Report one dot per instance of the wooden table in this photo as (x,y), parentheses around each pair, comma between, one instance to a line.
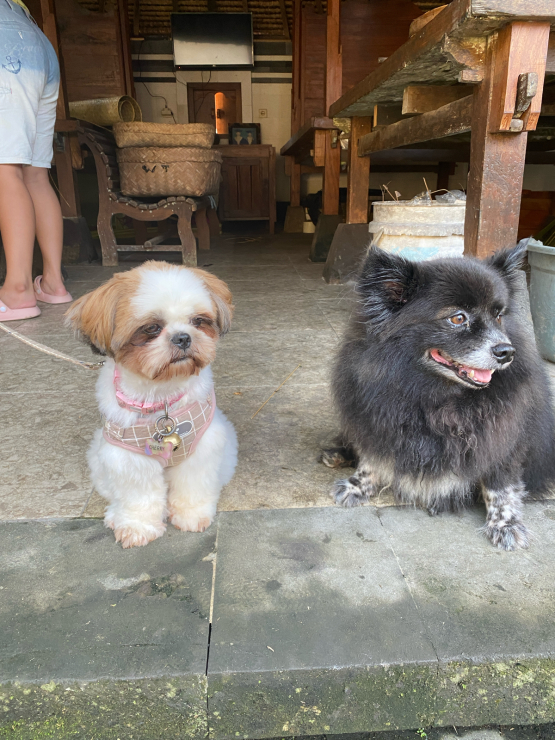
(461,73)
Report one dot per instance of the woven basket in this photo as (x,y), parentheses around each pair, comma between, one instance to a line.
(164,134)
(169,171)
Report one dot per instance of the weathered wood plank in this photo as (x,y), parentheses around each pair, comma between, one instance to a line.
(450,48)
(424,98)
(358,174)
(453,118)
(419,23)
(495,174)
(519,9)
(422,59)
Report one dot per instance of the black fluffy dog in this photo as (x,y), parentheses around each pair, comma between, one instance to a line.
(441,391)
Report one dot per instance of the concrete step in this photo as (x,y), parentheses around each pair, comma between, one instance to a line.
(323,621)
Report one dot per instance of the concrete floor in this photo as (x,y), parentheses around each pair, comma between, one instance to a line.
(287,321)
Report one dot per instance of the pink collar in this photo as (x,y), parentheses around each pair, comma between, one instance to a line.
(142,408)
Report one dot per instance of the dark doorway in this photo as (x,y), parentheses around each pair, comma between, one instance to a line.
(218,103)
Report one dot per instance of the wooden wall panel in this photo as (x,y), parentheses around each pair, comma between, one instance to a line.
(91,49)
(370,30)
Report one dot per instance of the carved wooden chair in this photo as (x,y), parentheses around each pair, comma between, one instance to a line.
(111,201)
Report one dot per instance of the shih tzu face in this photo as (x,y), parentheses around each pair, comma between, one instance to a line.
(159,321)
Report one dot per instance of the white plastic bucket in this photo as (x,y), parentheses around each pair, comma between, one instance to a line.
(419,232)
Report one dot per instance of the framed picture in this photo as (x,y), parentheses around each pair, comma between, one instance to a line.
(244,133)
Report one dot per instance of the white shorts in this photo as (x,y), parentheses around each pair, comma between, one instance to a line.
(29,81)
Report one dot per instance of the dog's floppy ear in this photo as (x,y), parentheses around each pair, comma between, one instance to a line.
(94,314)
(221,296)
(385,284)
(508,261)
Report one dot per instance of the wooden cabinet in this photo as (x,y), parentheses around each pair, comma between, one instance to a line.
(248,190)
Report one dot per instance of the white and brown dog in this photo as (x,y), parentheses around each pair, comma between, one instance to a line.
(165,448)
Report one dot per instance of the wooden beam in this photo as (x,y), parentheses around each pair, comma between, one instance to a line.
(319,151)
(296,101)
(332,168)
(453,118)
(521,49)
(496,171)
(358,174)
(425,98)
(334,66)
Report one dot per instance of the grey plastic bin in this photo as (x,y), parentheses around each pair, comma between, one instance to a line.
(542,297)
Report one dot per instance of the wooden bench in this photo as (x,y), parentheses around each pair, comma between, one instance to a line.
(102,145)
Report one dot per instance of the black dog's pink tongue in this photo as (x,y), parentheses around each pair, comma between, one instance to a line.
(482,376)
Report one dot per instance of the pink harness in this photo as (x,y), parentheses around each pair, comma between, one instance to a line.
(191,423)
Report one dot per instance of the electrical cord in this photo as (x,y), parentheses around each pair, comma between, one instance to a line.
(146,87)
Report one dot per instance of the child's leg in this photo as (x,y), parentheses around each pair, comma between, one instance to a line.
(17,226)
(49,227)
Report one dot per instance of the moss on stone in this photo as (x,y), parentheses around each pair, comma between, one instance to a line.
(105,710)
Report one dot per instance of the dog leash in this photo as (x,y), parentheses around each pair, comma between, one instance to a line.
(50,351)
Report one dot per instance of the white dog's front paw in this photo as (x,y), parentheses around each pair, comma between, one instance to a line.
(191,520)
(136,535)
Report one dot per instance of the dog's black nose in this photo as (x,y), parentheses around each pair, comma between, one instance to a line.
(503,352)
(182,340)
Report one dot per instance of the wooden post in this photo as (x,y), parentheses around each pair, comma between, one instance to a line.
(358,173)
(334,71)
(496,159)
(295,192)
(67,183)
(443,172)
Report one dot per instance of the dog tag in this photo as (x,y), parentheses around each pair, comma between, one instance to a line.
(159,449)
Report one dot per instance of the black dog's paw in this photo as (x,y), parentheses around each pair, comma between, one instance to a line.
(337,457)
(510,537)
(349,492)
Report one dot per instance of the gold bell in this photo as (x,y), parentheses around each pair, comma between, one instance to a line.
(175,439)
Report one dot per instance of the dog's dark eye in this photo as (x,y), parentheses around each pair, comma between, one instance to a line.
(499,317)
(458,319)
(152,329)
(199,320)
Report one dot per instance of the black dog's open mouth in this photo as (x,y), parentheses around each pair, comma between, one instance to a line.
(472,375)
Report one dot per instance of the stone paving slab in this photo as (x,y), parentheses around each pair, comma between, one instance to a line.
(332,621)
(100,642)
(324,621)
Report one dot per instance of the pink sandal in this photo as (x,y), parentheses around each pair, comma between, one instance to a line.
(45,297)
(16,314)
